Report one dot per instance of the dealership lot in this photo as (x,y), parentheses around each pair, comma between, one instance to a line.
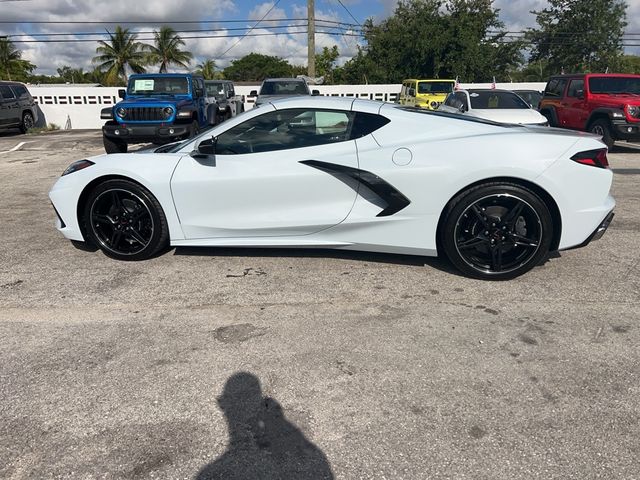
(384,366)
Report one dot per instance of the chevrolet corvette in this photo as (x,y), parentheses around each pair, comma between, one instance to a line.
(344,173)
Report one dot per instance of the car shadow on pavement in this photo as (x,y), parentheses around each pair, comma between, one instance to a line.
(263,444)
(358,256)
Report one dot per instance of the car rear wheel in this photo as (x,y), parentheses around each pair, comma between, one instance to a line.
(496,231)
(125,220)
(601,127)
(27,122)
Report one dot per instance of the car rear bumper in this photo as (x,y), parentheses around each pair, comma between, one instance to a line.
(144,133)
(598,232)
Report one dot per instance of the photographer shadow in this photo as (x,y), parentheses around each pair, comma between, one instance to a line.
(263,444)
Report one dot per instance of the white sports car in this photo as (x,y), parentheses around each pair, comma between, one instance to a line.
(350,174)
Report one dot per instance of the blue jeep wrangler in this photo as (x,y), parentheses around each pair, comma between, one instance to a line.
(157,108)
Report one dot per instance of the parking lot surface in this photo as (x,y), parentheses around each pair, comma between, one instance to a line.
(305,364)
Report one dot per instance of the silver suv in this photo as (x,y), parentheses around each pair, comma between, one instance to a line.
(17,107)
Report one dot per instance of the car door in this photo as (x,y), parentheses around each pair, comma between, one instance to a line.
(9,108)
(573,105)
(257,186)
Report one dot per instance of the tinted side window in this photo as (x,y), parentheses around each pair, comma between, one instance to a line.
(555,88)
(20,91)
(286,129)
(574,87)
(6,92)
(365,123)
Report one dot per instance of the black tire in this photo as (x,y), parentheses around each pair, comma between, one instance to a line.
(27,122)
(496,231)
(125,221)
(194,129)
(602,127)
(550,116)
(114,146)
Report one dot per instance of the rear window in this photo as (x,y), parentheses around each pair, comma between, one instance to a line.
(496,100)
(284,88)
(435,87)
(20,91)
(366,123)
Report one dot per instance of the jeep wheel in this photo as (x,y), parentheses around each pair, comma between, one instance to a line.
(601,127)
(114,146)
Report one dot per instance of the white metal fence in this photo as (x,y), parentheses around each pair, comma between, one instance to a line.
(78,107)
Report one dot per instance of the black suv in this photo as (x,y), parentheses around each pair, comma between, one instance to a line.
(17,107)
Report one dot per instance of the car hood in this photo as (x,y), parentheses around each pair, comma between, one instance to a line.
(522,116)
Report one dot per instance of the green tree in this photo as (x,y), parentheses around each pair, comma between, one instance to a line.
(122,52)
(579,35)
(73,75)
(167,51)
(326,63)
(631,64)
(257,67)
(208,70)
(436,39)
(12,66)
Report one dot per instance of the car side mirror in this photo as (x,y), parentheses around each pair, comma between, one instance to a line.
(580,94)
(199,92)
(122,93)
(253,93)
(206,151)
(315,93)
(462,108)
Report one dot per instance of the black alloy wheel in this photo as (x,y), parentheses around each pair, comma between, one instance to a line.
(27,122)
(497,231)
(125,221)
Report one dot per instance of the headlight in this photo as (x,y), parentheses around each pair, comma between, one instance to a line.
(184,114)
(167,112)
(75,166)
(121,112)
(434,105)
(633,111)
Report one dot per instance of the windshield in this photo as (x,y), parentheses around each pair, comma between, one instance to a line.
(435,87)
(283,87)
(158,86)
(614,85)
(215,89)
(492,99)
(530,96)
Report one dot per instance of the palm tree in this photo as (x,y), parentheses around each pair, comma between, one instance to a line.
(120,53)
(166,50)
(11,61)
(207,69)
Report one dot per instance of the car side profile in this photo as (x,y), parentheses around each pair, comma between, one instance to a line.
(350,174)
(493,104)
(17,107)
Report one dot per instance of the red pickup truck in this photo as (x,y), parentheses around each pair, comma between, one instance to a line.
(607,104)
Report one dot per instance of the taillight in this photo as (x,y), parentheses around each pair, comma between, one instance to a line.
(593,158)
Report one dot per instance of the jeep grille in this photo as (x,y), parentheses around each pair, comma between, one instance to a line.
(144,114)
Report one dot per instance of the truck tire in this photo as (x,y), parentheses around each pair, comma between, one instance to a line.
(114,146)
(194,129)
(551,117)
(603,128)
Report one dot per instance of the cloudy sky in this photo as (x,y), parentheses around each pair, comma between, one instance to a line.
(226,20)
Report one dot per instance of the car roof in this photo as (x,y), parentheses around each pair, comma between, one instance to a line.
(284,79)
(330,103)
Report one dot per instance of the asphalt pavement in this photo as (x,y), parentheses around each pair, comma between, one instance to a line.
(308,364)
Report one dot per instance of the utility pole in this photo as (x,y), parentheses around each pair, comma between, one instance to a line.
(311,39)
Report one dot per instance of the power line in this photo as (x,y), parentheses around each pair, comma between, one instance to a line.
(152,22)
(349,12)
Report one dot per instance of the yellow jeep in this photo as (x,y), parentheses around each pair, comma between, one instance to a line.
(427,94)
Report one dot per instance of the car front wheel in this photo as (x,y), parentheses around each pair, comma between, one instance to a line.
(125,220)
(602,128)
(496,231)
